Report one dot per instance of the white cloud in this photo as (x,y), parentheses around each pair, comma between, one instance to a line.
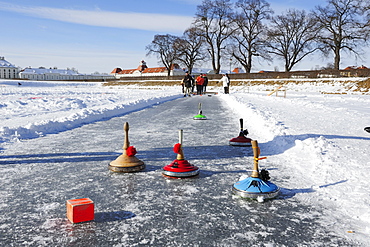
(130,20)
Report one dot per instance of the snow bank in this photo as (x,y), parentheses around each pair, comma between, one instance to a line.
(34,109)
(325,86)
(318,144)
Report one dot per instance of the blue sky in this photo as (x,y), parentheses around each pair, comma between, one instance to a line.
(92,35)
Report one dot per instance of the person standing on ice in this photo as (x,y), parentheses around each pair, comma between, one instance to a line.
(187,83)
(225,83)
(200,81)
(205,83)
(192,84)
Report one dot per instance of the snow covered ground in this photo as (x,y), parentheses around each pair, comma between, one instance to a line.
(320,139)
(35,109)
(317,137)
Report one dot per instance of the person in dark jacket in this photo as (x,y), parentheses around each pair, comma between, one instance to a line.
(187,82)
(205,83)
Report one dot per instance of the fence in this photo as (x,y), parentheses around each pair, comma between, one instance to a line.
(267,75)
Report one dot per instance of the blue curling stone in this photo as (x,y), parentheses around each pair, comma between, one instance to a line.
(255,188)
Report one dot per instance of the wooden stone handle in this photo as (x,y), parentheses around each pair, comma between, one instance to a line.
(126,143)
(256,153)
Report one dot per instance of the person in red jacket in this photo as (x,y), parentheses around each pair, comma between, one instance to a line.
(200,81)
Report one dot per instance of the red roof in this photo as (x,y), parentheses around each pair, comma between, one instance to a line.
(237,70)
(355,67)
(155,70)
(146,70)
(116,70)
(127,71)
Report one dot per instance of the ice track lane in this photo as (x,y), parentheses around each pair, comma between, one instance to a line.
(145,208)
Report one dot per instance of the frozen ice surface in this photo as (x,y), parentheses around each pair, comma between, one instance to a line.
(309,142)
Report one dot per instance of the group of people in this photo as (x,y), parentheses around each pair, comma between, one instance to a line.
(189,83)
(201,82)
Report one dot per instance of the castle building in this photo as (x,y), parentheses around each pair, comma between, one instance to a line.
(8,70)
(55,74)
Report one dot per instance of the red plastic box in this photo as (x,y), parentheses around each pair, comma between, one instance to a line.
(80,210)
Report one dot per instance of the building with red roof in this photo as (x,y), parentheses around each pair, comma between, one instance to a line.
(144,70)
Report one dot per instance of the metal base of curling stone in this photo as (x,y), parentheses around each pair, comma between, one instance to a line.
(180,169)
(180,174)
(252,195)
(125,163)
(127,169)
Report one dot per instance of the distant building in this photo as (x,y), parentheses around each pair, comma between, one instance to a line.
(7,70)
(237,71)
(353,71)
(355,67)
(55,74)
(144,70)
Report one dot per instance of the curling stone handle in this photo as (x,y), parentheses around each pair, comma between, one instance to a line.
(256,153)
(180,136)
(126,143)
(256,149)
(200,108)
(180,155)
(241,124)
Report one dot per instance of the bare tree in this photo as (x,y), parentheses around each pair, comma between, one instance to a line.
(366,13)
(190,48)
(214,19)
(291,36)
(342,27)
(163,47)
(247,41)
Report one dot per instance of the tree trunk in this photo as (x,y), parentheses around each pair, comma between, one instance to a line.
(336,58)
(248,67)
